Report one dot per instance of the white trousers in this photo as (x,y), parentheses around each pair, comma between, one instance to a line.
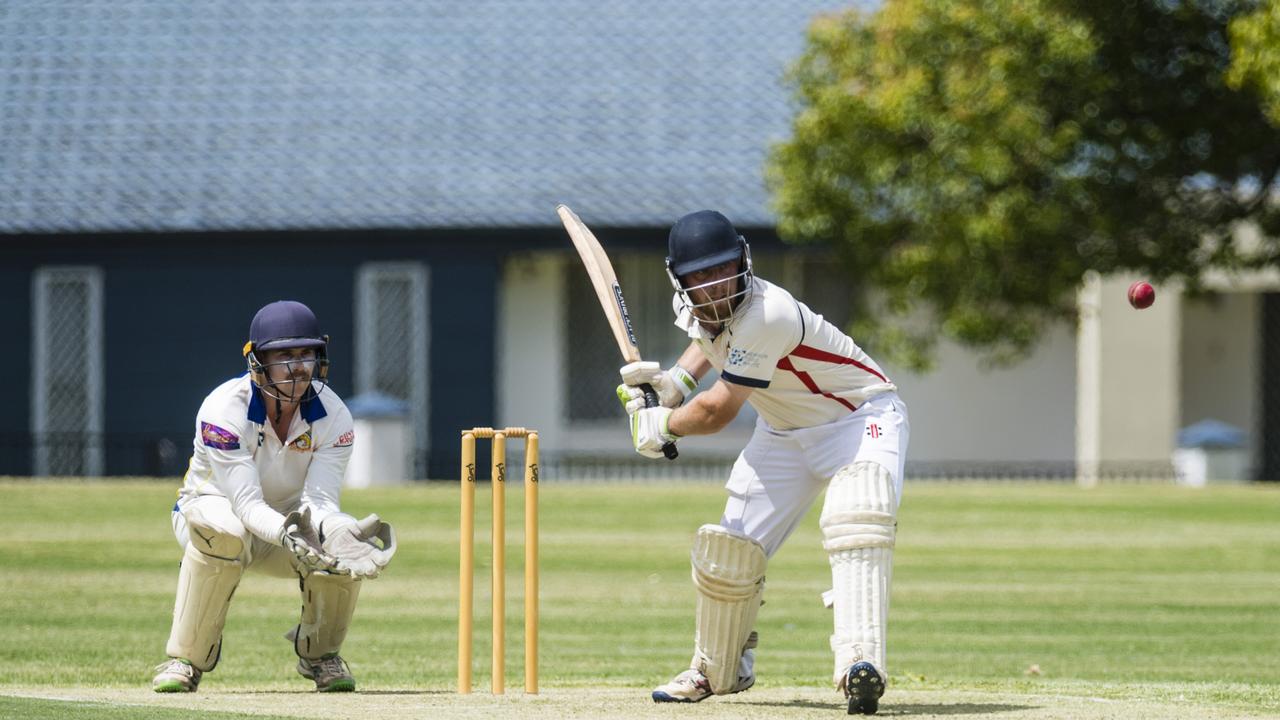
(781,472)
(215,510)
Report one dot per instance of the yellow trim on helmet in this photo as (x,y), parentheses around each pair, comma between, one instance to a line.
(248,348)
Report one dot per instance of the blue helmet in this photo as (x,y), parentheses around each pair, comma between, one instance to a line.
(702,240)
(283,325)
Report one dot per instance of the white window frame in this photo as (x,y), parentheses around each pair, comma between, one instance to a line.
(419,366)
(41,350)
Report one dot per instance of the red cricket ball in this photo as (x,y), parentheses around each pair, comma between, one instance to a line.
(1141,294)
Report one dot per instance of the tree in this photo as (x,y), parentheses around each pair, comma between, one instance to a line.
(970,160)
(1255,63)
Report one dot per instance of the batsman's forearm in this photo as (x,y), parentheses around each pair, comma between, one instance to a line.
(694,361)
(700,417)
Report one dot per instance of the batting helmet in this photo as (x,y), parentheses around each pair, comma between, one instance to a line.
(702,240)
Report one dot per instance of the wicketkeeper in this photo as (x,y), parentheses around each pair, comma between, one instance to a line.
(829,420)
(261,492)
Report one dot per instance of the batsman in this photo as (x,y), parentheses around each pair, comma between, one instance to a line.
(261,493)
(829,421)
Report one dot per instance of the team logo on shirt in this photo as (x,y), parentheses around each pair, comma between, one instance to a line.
(215,437)
(873,430)
(346,439)
(303,443)
(743,358)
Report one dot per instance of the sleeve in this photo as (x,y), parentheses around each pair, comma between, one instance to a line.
(227,445)
(323,486)
(761,340)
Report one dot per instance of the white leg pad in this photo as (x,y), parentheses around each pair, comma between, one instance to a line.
(328,602)
(858,526)
(728,572)
(205,586)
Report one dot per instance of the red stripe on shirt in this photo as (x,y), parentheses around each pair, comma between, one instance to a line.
(812,353)
(785,364)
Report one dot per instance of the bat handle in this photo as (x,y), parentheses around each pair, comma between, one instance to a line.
(651,400)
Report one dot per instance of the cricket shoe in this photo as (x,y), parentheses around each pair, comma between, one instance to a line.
(691,686)
(863,685)
(176,675)
(330,673)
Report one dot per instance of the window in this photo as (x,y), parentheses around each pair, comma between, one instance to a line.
(66,371)
(391,337)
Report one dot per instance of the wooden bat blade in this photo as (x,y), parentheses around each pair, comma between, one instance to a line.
(609,293)
(604,281)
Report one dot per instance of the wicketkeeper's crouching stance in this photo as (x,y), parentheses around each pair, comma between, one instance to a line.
(828,419)
(271,448)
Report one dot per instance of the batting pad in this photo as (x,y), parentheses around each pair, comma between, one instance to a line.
(328,602)
(728,572)
(858,527)
(205,587)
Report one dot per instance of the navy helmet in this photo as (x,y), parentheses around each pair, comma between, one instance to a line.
(702,240)
(283,325)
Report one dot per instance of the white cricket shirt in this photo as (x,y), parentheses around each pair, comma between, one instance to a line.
(238,456)
(805,371)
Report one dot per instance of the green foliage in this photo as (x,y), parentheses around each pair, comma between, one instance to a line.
(1255,62)
(971,159)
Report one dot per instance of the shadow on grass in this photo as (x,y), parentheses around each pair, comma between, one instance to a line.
(906,709)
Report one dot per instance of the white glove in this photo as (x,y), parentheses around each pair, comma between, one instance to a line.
(299,537)
(649,431)
(362,549)
(673,386)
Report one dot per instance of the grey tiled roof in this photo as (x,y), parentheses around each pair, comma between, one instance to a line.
(222,114)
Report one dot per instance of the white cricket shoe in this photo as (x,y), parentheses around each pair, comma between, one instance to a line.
(330,673)
(692,686)
(176,675)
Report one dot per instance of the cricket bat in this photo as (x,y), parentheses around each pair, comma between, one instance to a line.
(609,293)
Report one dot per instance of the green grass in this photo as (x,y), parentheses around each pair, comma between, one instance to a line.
(1125,592)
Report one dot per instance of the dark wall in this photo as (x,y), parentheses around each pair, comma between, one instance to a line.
(177,311)
(1270,431)
(15,368)
(173,330)
(463,338)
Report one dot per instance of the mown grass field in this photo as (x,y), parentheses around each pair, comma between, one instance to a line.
(1009,600)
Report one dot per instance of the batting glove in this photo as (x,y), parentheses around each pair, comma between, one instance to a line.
(673,386)
(649,431)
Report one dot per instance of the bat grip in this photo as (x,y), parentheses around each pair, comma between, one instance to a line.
(651,400)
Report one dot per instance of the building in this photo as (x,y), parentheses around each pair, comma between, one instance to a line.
(167,169)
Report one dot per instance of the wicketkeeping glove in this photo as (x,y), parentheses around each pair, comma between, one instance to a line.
(299,537)
(362,549)
(672,386)
(649,431)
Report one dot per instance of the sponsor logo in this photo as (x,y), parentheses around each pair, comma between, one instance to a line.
(743,358)
(873,430)
(215,437)
(626,316)
(346,439)
(302,443)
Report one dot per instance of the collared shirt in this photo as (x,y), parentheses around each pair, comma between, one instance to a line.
(237,455)
(804,370)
